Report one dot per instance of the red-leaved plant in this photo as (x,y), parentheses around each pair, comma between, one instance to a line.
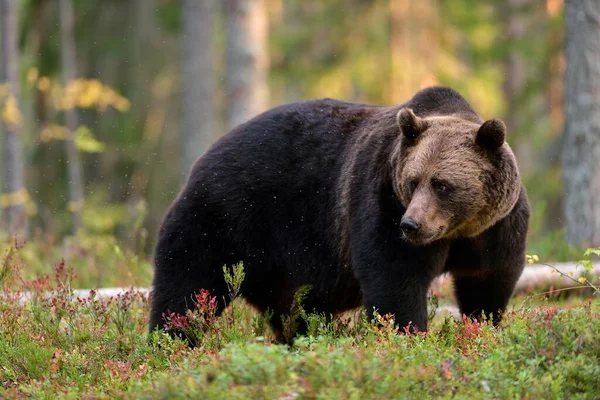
(196,323)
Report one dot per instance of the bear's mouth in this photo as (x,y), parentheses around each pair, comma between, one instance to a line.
(422,238)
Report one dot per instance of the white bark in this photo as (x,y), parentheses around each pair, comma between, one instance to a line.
(247,92)
(515,23)
(198,84)
(535,279)
(14,216)
(69,70)
(581,147)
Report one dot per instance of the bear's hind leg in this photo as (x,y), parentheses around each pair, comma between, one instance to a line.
(178,296)
(189,256)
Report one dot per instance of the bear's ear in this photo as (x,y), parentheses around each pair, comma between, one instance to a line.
(491,134)
(410,125)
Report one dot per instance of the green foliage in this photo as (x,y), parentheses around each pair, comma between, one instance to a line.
(55,345)
(168,13)
(553,244)
(96,261)
(261,321)
(290,322)
(315,50)
(234,279)
(86,142)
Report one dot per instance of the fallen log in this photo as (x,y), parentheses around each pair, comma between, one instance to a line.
(539,277)
(535,277)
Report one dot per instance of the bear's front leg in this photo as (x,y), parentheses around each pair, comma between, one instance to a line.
(403,297)
(395,276)
(486,268)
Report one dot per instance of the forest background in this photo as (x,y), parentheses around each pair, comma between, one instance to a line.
(109,102)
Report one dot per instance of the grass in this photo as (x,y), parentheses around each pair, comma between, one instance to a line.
(57,346)
(97,259)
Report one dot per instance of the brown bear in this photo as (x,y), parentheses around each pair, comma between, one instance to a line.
(366,204)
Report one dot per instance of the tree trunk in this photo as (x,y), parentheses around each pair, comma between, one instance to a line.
(247,92)
(581,149)
(14,194)
(198,85)
(556,68)
(69,69)
(514,77)
(514,29)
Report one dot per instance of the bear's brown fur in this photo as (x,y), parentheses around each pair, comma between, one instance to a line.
(365,204)
(456,177)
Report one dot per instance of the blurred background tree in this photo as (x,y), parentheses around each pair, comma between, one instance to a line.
(160,80)
(198,93)
(69,74)
(14,194)
(581,166)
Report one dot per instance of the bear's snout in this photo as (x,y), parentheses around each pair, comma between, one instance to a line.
(422,223)
(409,226)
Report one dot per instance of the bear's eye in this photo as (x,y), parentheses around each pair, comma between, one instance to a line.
(442,188)
(412,185)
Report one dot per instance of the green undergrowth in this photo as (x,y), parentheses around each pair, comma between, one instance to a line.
(97,260)
(57,346)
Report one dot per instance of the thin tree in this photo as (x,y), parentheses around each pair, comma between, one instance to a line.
(514,30)
(555,67)
(581,149)
(69,72)
(247,91)
(514,24)
(198,84)
(14,194)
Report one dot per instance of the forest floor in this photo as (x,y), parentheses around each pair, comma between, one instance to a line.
(55,345)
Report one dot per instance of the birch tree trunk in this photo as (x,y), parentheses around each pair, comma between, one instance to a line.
(13,192)
(581,148)
(198,84)
(556,68)
(247,92)
(514,29)
(69,70)
(514,22)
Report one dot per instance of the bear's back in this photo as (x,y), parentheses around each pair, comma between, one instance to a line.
(441,101)
(278,170)
(289,143)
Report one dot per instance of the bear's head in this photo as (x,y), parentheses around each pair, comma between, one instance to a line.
(456,177)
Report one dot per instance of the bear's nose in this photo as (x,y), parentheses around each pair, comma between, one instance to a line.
(408,225)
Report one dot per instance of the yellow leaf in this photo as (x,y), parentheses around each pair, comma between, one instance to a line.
(32,75)
(86,142)
(88,93)
(122,104)
(91,92)
(54,132)
(11,114)
(582,280)
(14,199)
(43,84)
